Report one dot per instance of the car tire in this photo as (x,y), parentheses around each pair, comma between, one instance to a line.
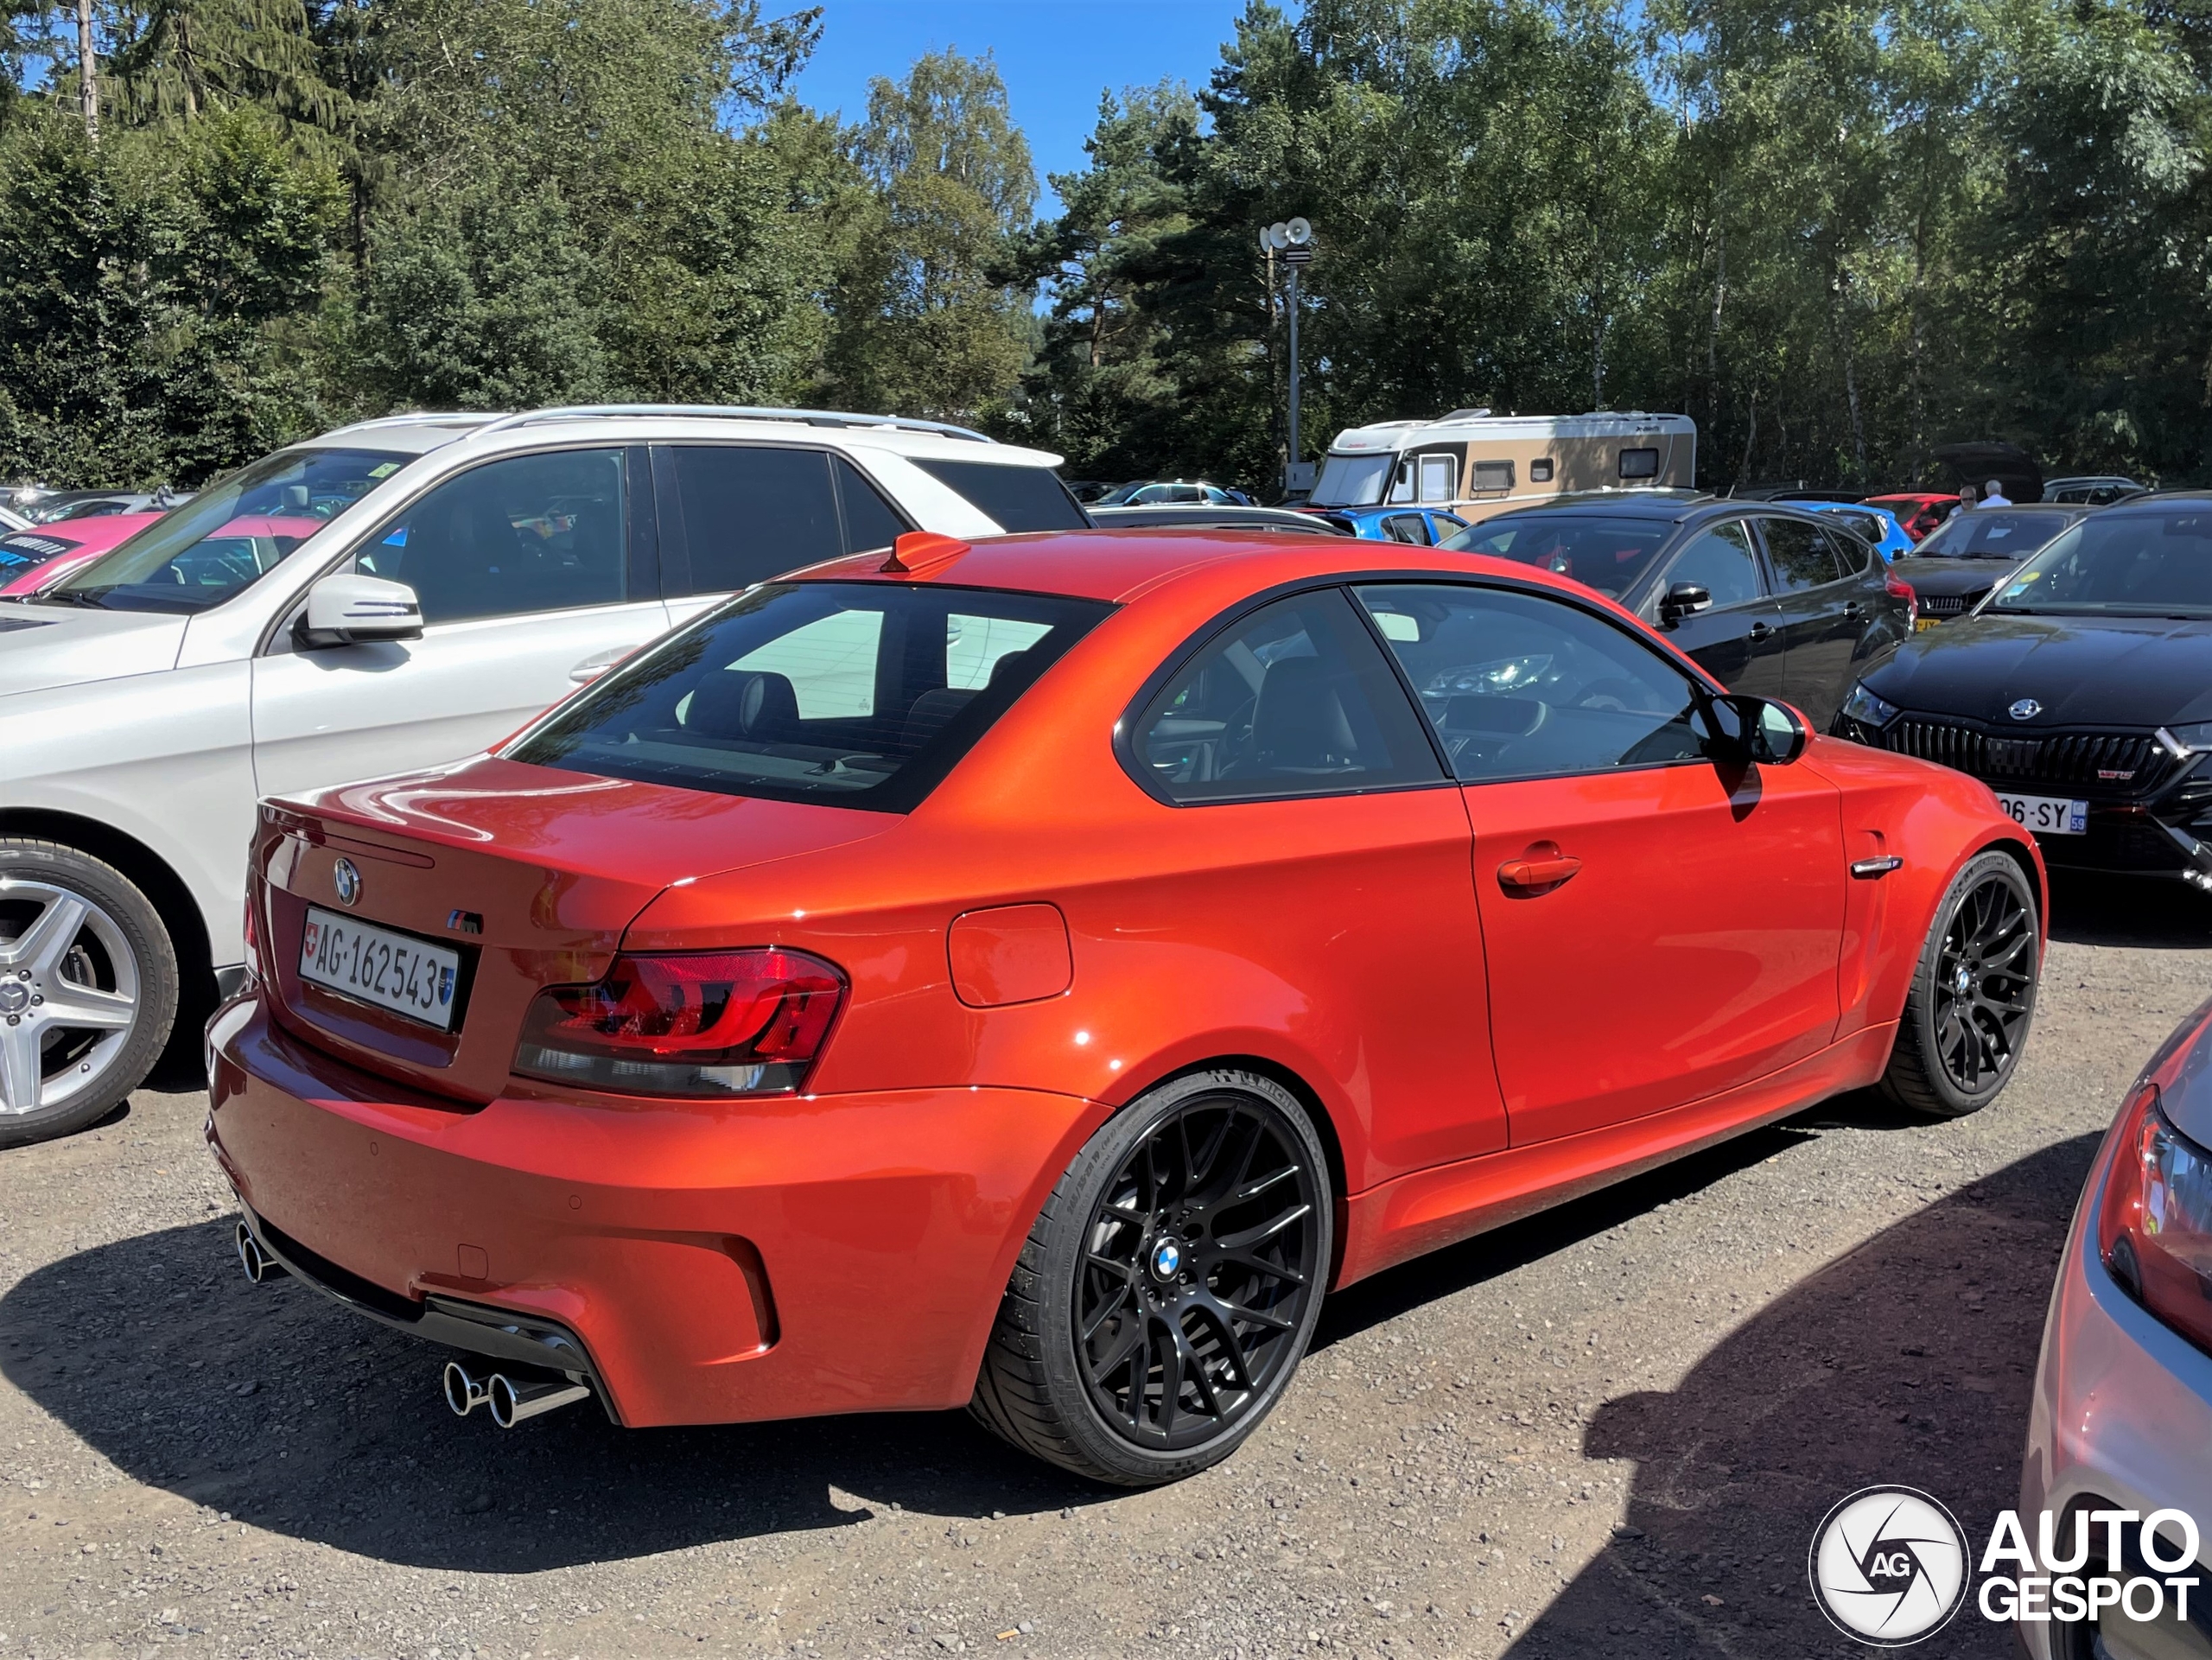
(1151,1266)
(76,937)
(1973,999)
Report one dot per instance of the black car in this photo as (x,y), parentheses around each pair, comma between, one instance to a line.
(2081,691)
(1973,551)
(1768,598)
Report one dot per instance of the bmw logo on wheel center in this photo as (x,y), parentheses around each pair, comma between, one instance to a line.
(1889,1566)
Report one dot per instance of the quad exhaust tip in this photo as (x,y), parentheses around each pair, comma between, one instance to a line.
(259,1264)
(512,1400)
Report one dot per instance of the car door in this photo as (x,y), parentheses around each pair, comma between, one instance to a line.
(1824,611)
(1658,928)
(534,573)
(1739,640)
(732,515)
(1316,861)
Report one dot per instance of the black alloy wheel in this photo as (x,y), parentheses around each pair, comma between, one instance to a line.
(1973,999)
(1170,1285)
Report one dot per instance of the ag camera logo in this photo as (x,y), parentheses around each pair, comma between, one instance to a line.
(1889,1566)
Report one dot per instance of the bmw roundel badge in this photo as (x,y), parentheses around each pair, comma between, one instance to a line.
(2026,710)
(346,880)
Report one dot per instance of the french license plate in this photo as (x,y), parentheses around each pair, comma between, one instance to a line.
(410,977)
(2047,815)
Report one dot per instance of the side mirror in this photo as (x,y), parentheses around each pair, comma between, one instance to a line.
(1685,599)
(1747,730)
(345,610)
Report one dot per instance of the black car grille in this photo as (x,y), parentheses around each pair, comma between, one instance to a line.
(2093,763)
(1947,605)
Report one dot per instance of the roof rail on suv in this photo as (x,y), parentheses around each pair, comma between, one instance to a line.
(419,418)
(737,412)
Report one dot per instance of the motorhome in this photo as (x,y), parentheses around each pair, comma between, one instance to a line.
(1476,463)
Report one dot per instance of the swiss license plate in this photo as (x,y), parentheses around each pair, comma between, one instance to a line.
(410,977)
(2047,815)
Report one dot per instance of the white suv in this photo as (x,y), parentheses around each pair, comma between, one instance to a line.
(391,595)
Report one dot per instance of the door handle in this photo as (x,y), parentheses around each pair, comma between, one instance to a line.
(1760,631)
(1855,610)
(597,664)
(1546,870)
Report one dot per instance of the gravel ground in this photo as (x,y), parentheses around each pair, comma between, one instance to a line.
(1607,1431)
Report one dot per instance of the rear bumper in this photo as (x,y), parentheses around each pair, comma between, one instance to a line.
(717,1262)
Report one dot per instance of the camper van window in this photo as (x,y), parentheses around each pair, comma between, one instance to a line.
(1440,477)
(1498,475)
(1352,480)
(1540,471)
(1639,464)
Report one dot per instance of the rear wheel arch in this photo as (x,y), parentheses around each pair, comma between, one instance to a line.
(152,874)
(1317,1111)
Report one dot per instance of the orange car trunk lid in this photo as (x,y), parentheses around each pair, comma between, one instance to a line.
(525,875)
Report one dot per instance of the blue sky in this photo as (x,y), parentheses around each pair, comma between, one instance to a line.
(1056,55)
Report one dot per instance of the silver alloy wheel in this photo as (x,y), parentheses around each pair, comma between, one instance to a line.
(69,997)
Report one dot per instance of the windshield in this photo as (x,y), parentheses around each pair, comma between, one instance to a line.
(1599,551)
(230,535)
(2141,564)
(1353,481)
(1984,533)
(855,694)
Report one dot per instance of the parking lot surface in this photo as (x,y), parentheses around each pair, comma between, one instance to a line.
(1610,1430)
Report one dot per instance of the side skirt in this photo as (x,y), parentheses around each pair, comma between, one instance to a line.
(1412,1215)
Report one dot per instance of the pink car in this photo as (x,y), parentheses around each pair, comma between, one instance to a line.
(34,560)
(31,558)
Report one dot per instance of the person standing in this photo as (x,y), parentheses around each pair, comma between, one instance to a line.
(1995,495)
(1966,501)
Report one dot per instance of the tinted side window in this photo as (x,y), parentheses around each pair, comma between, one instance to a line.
(530,533)
(1639,464)
(1406,527)
(1019,498)
(747,513)
(1853,553)
(1294,700)
(1720,561)
(870,521)
(1798,552)
(1520,686)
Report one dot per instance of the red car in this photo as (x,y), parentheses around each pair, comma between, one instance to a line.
(1028,975)
(1919,512)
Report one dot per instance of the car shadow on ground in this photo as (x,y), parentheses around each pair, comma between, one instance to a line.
(2088,909)
(1909,1360)
(277,1406)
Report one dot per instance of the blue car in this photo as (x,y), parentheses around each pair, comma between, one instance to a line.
(1878,524)
(1419,527)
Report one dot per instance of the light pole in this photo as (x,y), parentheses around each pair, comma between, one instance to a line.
(1294,240)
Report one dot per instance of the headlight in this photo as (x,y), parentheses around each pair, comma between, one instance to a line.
(1864,707)
(2154,1225)
(2195,738)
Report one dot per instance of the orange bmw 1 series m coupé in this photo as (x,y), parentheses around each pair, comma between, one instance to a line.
(1029,975)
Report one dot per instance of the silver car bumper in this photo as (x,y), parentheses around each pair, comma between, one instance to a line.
(2121,1418)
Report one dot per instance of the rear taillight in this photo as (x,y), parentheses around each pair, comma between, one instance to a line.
(700,1023)
(2154,1225)
(1901,589)
(252,934)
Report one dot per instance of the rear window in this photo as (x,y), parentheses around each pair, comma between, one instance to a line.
(1609,554)
(20,552)
(856,694)
(1019,498)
